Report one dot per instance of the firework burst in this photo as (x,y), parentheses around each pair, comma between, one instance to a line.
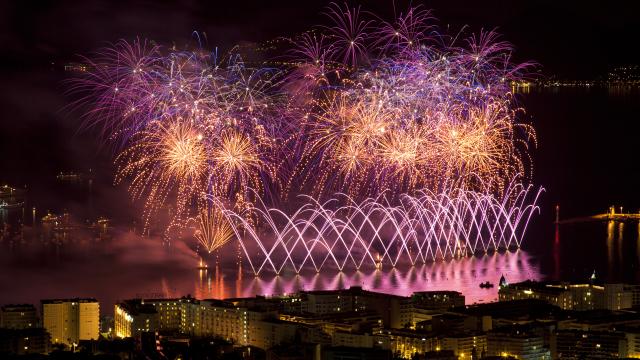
(213,229)
(364,107)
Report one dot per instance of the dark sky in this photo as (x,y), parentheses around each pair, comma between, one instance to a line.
(38,136)
(570,38)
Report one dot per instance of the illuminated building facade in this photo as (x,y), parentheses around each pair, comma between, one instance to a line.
(437,299)
(268,333)
(407,343)
(518,342)
(216,318)
(71,320)
(421,306)
(202,318)
(465,345)
(330,324)
(635,294)
(577,344)
(571,296)
(18,317)
(633,342)
(133,317)
(618,297)
(170,312)
(344,338)
(389,307)
(411,315)
(325,302)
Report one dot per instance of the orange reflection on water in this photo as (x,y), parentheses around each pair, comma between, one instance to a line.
(610,236)
(463,274)
(556,254)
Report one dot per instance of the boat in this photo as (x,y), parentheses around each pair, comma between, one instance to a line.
(486,285)
(202,265)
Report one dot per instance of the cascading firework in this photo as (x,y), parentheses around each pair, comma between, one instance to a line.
(404,141)
(342,233)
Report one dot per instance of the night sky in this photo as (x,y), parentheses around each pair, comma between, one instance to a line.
(570,39)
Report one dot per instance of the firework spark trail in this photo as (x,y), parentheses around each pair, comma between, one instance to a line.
(184,125)
(213,230)
(421,228)
(451,104)
(168,158)
(418,130)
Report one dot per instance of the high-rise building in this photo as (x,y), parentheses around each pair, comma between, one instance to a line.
(71,320)
(18,317)
(133,317)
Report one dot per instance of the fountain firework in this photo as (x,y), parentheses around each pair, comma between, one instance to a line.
(341,232)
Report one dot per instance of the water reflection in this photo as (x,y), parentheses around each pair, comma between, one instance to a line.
(638,248)
(610,234)
(615,238)
(610,248)
(129,266)
(556,253)
(464,274)
(620,240)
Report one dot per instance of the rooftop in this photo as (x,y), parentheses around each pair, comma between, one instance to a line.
(526,308)
(60,301)
(137,306)
(352,291)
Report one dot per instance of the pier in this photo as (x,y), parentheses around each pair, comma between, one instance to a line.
(611,215)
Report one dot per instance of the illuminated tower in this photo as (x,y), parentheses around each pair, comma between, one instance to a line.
(557,214)
(503,281)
